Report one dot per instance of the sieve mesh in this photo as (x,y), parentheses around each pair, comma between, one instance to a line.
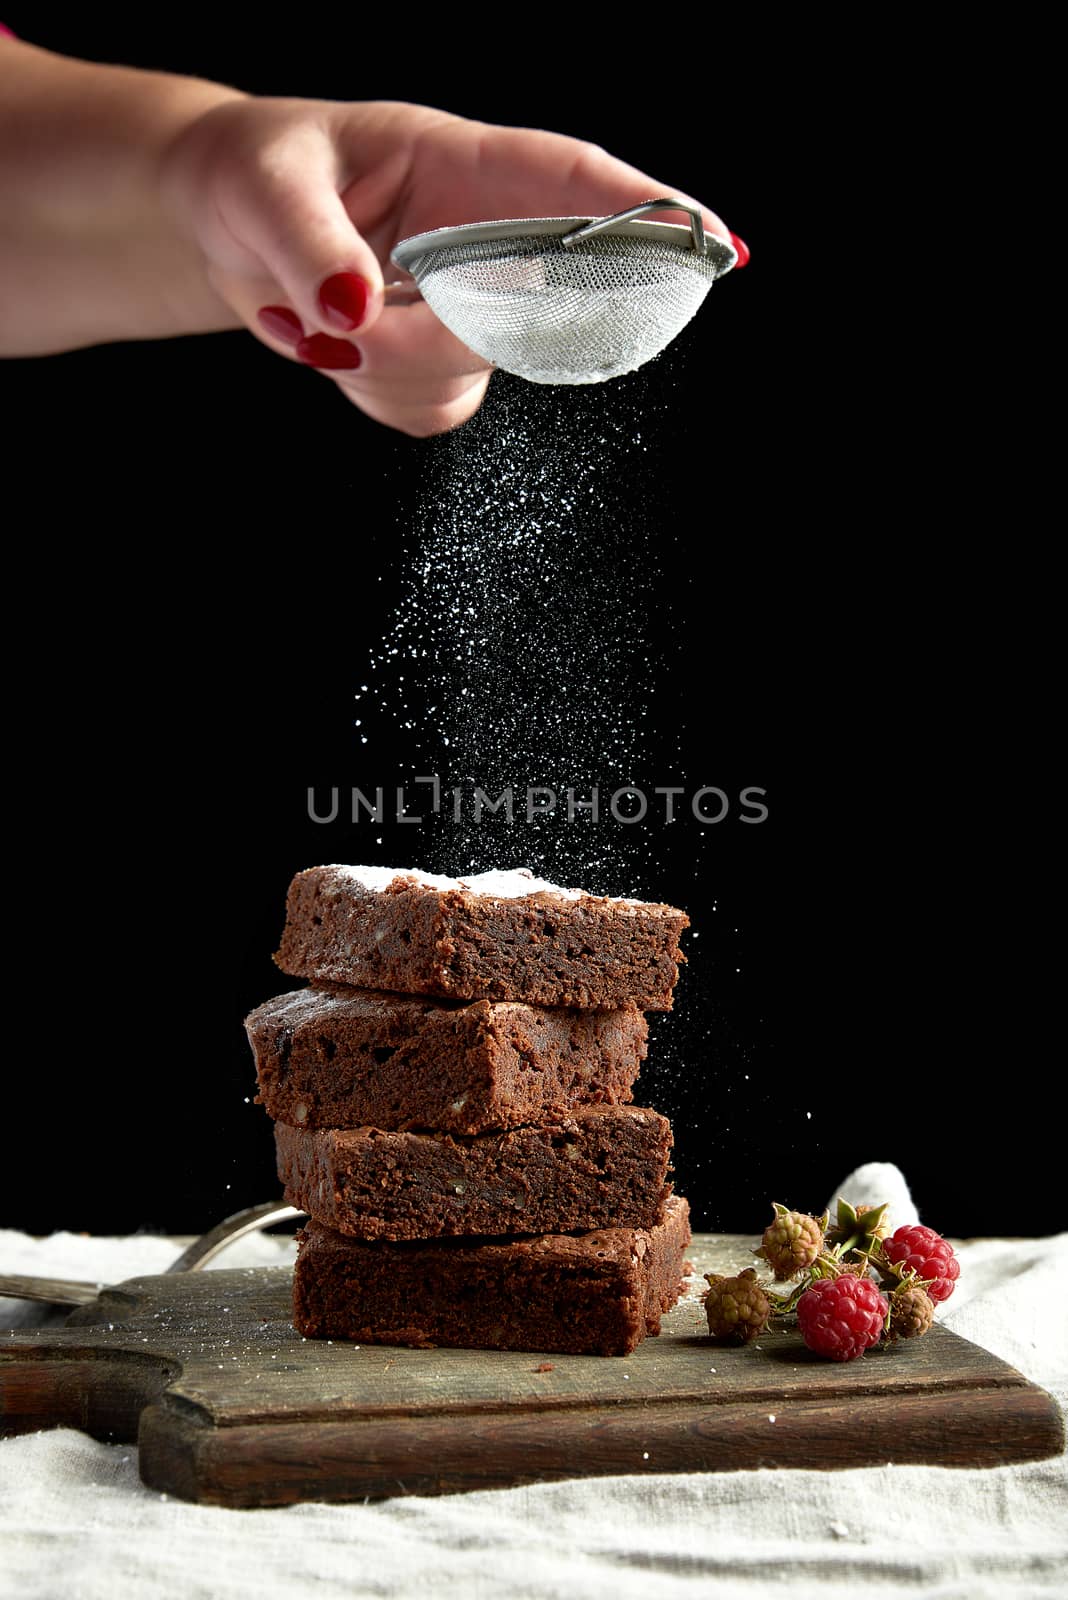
(553,313)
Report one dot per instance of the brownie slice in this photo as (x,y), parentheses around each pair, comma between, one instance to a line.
(594,1293)
(333,1057)
(495,936)
(599,1168)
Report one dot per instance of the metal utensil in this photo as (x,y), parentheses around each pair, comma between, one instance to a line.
(568,299)
(69,1292)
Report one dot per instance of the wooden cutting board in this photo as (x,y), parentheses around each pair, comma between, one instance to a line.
(230,1406)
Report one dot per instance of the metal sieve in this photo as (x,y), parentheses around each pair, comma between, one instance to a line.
(568,299)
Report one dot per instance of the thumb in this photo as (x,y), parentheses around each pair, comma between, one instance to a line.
(287,210)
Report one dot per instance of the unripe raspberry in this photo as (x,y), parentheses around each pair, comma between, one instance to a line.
(911,1312)
(876,1224)
(791,1242)
(737,1308)
(856,1230)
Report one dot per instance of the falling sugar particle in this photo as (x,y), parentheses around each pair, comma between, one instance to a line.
(524,606)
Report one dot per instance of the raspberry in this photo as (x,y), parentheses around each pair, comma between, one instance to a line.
(737,1308)
(911,1312)
(871,1217)
(928,1254)
(842,1317)
(856,1230)
(791,1242)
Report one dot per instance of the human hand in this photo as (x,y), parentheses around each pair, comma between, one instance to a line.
(296,205)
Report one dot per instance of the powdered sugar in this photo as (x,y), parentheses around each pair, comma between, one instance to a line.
(380,878)
(498,885)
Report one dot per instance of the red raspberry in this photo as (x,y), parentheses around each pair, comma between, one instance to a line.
(928,1254)
(841,1317)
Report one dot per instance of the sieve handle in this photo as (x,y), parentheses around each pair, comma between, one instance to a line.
(665,203)
(400,293)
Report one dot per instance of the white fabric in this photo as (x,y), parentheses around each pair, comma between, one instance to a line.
(76,1522)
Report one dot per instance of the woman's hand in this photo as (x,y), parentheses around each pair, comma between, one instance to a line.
(142,205)
(297,204)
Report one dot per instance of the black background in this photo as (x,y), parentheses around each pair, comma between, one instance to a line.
(197,533)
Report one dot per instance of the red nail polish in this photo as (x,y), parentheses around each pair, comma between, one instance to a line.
(281,323)
(343,300)
(742,249)
(319,350)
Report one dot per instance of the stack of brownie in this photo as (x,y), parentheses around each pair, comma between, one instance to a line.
(451,1106)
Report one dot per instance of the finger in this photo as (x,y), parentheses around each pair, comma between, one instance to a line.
(408,372)
(474,172)
(611,182)
(419,408)
(286,209)
(414,374)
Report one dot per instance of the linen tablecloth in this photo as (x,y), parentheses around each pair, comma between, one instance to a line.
(76,1522)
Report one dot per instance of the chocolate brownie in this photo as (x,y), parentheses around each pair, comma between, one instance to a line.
(332,1057)
(602,1167)
(594,1293)
(495,936)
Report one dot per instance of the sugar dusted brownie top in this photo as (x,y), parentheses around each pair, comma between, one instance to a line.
(490,936)
(507,885)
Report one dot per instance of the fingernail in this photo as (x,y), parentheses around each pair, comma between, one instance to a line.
(281,323)
(319,350)
(343,300)
(742,249)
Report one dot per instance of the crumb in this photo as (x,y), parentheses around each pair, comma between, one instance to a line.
(546,1366)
